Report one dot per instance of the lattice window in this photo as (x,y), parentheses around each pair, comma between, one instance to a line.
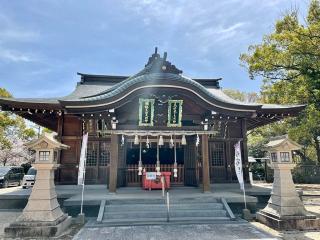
(274,157)
(92,153)
(90,126)
(44,155)
(104,158)
(217,154)
(284,156)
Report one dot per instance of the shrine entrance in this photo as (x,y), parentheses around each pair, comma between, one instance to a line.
(148,152)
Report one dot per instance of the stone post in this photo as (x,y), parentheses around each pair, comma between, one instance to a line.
(284,200)
(42,216)
(285,210)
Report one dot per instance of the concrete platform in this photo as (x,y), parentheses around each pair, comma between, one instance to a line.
(70,195)
(94,196)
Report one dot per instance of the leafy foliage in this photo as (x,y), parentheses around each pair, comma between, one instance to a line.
(13,134)
(248,97)
(288,60)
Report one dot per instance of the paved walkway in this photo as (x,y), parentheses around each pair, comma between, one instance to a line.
(174,232)
(6,217)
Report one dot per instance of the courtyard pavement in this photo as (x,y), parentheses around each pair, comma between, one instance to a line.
(174,232)
(242,230)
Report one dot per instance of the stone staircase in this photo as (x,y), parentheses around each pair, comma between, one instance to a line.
(154,211)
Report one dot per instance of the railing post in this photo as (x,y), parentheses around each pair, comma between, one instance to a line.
(168,207)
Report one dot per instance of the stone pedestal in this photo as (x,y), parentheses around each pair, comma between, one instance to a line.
(285,210)
(42,216)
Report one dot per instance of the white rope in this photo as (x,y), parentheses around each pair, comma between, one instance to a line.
(156,133)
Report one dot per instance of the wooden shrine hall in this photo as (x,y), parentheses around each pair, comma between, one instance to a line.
(156,120)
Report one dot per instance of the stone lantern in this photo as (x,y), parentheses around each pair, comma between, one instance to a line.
(285,209)
(42,215)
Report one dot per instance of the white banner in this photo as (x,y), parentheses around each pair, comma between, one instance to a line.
(238,164)
(82,162)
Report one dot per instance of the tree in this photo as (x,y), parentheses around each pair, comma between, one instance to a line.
(258,138)
(248,97)
(13,135)
(288,60)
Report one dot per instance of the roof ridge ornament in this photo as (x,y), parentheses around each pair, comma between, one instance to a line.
(157,64)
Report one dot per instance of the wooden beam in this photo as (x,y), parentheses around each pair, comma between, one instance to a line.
(205,164)
(113,163)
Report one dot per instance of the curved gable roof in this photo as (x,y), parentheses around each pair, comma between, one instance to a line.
(158,80)
(100,92)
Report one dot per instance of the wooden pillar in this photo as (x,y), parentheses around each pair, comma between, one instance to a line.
(114,152)
(205,164)
(228,150)
(57,173)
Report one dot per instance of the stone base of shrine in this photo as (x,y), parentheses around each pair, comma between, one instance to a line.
(309,222)
(38,229)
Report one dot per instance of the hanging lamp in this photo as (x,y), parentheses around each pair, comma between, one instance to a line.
(197,141)
(148,142)
(158,163)
(122,140)
(183,140)
(136,140)
(175,165)
(171,142)
(161,143)
(140,162)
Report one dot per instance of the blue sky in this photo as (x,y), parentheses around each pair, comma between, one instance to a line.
(43,44)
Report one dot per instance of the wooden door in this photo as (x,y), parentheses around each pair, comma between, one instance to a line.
(92,162)
(191,176)
(98,161)
(122,166)
(104,162)
(217,158)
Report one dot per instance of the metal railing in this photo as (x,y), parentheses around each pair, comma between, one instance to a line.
(167,199)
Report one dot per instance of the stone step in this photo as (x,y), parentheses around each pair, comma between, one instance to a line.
(161,207)
(154,211)
(161,201)
(157,221)
(162,214)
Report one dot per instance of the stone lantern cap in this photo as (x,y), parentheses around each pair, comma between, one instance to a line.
(48,141)
(282,143)
(281,150)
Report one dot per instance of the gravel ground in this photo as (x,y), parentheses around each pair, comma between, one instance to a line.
(6,217)
(311,200)
(289,235)
(230,231)
(253,230)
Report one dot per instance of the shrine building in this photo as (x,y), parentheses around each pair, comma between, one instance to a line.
(155,120)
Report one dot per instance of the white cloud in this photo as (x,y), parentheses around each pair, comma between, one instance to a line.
(220,32)
(12,32)
(200,24)
(14,56)
(9,35)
